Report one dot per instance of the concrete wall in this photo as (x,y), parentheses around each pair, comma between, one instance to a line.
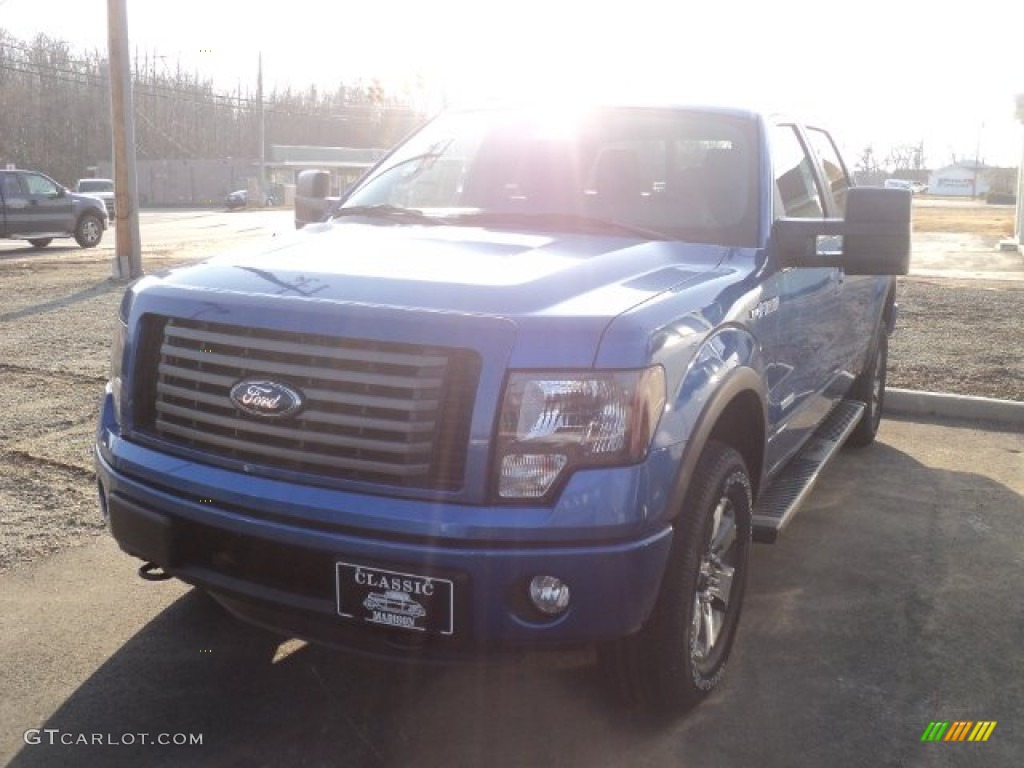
(188,182)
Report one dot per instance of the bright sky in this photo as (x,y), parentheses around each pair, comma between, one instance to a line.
(873,71)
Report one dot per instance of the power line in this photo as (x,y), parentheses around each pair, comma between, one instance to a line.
(57,78)
(98,78)
(219,101)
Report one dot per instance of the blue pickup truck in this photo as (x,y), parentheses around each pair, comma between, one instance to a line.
(543,374)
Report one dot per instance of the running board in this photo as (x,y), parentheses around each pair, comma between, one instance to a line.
(780,501)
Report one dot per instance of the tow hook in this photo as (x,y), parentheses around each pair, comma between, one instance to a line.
(153,572)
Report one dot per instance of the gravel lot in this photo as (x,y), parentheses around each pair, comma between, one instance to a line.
(959,336)
(56,313)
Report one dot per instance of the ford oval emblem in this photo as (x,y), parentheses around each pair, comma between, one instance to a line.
(266,398)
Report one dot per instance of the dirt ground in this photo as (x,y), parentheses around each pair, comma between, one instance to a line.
(937,215)
(959,336)
(57,310)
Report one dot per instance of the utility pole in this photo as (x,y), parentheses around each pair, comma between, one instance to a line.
(977,159)
(1020,180)
(263,159)
(127,253)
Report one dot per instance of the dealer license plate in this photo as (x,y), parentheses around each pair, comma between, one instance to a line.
(396,599)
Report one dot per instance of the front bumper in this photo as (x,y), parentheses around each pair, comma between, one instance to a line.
(280,573)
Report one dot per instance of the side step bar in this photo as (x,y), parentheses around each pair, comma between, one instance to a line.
(781,500)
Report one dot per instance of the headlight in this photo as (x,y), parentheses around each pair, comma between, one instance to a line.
(554,423)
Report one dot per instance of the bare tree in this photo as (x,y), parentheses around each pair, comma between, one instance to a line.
(905,157)
(55,116)
(867,163)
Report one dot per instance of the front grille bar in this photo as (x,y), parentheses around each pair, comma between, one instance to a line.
(373,411)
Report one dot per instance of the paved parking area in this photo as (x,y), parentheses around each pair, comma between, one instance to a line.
(892,601)
(169,233)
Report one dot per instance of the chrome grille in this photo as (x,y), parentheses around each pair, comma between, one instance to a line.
(374,411)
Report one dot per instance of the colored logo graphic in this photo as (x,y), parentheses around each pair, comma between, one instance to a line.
(959,730)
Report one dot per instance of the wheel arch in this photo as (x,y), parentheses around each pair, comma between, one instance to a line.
(734,414)
(885,322)
(890,309)
(741,424)
(87,212)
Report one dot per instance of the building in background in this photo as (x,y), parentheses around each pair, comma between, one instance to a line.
(344,164)
(970,179)
(209,182)
(963,179)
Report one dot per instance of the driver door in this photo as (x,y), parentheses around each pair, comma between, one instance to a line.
(806,343)
(49,206)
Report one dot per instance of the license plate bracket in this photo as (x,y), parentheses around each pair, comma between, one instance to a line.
(395,599)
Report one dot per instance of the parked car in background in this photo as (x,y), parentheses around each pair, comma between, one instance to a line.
(236,199)
(101,188)
(914,187)
(36,208)
(240,199)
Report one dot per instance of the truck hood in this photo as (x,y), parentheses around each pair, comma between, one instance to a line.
(456,269)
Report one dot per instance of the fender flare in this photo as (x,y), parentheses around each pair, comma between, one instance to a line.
(886,322)
(737,382)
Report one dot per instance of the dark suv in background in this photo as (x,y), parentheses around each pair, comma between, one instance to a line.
(36,208)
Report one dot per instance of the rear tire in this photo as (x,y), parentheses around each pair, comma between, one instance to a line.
(40,242)
(869,388)
(679,655)
(89,231)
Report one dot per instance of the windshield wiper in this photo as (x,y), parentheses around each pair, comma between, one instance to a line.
(556,221)
(388,212)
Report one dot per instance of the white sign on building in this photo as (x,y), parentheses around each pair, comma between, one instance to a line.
(958,180)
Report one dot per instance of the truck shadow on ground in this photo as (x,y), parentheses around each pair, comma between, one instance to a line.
(20,252)
(90,292)
(195,669)
(850,625)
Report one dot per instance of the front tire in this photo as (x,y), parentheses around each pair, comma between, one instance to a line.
(89,231)
(869,388)
(679,656)
(40,242)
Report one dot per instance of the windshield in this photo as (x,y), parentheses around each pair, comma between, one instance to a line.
(674,173)
(96,185)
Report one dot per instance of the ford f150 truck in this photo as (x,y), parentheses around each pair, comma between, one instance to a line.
(538,382)
(36,208)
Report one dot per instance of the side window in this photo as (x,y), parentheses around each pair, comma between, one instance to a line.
(835,169)
(10,186)
(40,185)
(794,176)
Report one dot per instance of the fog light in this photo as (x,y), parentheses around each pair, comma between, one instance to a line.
(550,595)
(529,476)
